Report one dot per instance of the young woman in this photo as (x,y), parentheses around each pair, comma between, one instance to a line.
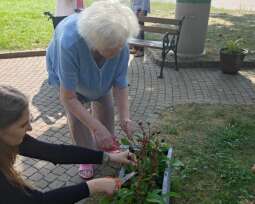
(14,125)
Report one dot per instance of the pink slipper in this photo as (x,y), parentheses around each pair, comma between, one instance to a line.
(86,171)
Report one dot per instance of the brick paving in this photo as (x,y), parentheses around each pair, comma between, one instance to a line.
(148,96)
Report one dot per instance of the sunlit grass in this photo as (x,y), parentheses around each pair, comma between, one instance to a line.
(216,146)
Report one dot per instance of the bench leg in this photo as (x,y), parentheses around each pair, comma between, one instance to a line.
(175,61)
(162,65)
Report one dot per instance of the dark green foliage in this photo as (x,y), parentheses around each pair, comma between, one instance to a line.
(146,186)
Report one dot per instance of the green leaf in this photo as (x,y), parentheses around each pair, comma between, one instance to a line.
(105,200)
(154,197)
(171,194)
(124,141)
(177,164)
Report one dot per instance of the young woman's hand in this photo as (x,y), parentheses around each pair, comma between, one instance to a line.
(123,157)
(104,185)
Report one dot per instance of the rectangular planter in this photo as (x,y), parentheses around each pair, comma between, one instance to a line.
(166,185)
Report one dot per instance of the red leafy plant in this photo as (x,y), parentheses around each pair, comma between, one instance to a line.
(145,187)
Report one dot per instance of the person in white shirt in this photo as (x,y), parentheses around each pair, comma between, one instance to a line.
(68,7)
(141,8)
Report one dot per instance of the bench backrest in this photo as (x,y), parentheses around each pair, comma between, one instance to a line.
(173,25)
(160,25)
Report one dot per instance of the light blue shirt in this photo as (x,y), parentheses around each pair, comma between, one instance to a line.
(71,64)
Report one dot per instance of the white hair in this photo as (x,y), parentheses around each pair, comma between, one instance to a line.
(107,24)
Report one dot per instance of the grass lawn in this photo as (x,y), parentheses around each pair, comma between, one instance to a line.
(23,26)
(214,151)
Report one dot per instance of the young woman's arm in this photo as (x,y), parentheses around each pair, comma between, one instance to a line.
(59,154)
(65,195)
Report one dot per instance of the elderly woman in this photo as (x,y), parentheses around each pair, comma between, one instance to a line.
(88,60)
(14,125)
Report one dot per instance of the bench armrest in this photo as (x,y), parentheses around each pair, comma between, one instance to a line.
(169,42)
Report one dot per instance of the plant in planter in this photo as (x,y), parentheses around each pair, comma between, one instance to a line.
(232,56)
(146,186)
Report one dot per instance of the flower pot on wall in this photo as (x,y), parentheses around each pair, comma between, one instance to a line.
(230,62)
(194,29)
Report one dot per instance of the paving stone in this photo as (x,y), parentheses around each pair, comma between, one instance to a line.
(50,177)
(40,164)
(50,166)
(22,166)
(44,171)
(30,161)
(36,177)
(59,170)
(56,184)
(41,184)
(64,177)
(76,178)
(29,171)
(72,171)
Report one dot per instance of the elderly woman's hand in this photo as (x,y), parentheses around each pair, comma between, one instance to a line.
(103,136)
(128,126)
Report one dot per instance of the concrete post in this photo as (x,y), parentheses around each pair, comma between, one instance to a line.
(194,29)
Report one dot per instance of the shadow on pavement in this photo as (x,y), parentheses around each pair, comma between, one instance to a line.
(48,104)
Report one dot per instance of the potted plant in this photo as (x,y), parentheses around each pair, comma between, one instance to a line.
(232,56)
(151,184)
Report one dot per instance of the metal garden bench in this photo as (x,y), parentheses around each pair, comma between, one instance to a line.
(170,29)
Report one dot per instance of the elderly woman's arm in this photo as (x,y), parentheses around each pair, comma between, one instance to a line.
(72,104)
(121,98)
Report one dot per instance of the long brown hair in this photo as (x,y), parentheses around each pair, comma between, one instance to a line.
(12,105)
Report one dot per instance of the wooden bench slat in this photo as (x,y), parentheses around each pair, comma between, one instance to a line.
(145,43)
(159,20)
(154,29)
